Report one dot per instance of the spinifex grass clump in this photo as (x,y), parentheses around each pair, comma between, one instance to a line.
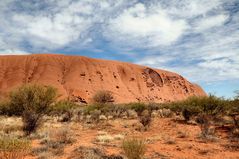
(134,148)
(11,148)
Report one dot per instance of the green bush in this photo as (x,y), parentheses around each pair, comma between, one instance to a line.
(11,148)
(138,107)
(91,108)
(31,102)
(193,106)
(62,106)
(103,97)
(32,97)
(134,148)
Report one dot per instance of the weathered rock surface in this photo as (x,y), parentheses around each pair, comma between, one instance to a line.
(80,77)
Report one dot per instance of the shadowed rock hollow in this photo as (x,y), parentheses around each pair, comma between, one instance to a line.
(80,77)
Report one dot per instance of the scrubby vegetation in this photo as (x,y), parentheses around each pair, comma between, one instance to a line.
(193,106)
(33,103)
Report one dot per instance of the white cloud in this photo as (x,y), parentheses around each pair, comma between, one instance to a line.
(190,8)
(61,23)
(13,52)
(57,29)
(155,61)
(210,22)
(143,26)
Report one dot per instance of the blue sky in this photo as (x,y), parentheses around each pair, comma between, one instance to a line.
(198,39)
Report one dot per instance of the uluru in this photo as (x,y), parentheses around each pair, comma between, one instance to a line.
(78,78)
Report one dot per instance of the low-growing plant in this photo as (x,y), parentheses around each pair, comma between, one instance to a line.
(103,97)
(104,138)
(56,140)
(134,148)
(11,148)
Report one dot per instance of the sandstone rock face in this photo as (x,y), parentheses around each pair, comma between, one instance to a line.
(80,77)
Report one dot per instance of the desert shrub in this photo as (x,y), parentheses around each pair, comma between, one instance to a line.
(62,135)
(103,108)
(233,110)
(193,106)
(11,148)
(134,148)
(31,102)
(154,106)
(62,107)
(65,108)
(186,114)
(138,107)
(4,108)
(212,105)
(91,108)
(145,118)
(204,122)
(103,97)
(31,121)
(67,116)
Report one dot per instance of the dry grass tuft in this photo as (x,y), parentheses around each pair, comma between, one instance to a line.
(11,148)
(134,148)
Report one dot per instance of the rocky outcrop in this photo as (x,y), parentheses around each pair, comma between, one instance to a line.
(80,77)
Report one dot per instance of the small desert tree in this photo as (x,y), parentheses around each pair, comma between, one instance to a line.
(31,102)
(103,97)
(210,108)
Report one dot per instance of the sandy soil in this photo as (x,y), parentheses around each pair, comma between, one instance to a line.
(164,139)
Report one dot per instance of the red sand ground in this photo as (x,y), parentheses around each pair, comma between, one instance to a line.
(80,77)
(189,147)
